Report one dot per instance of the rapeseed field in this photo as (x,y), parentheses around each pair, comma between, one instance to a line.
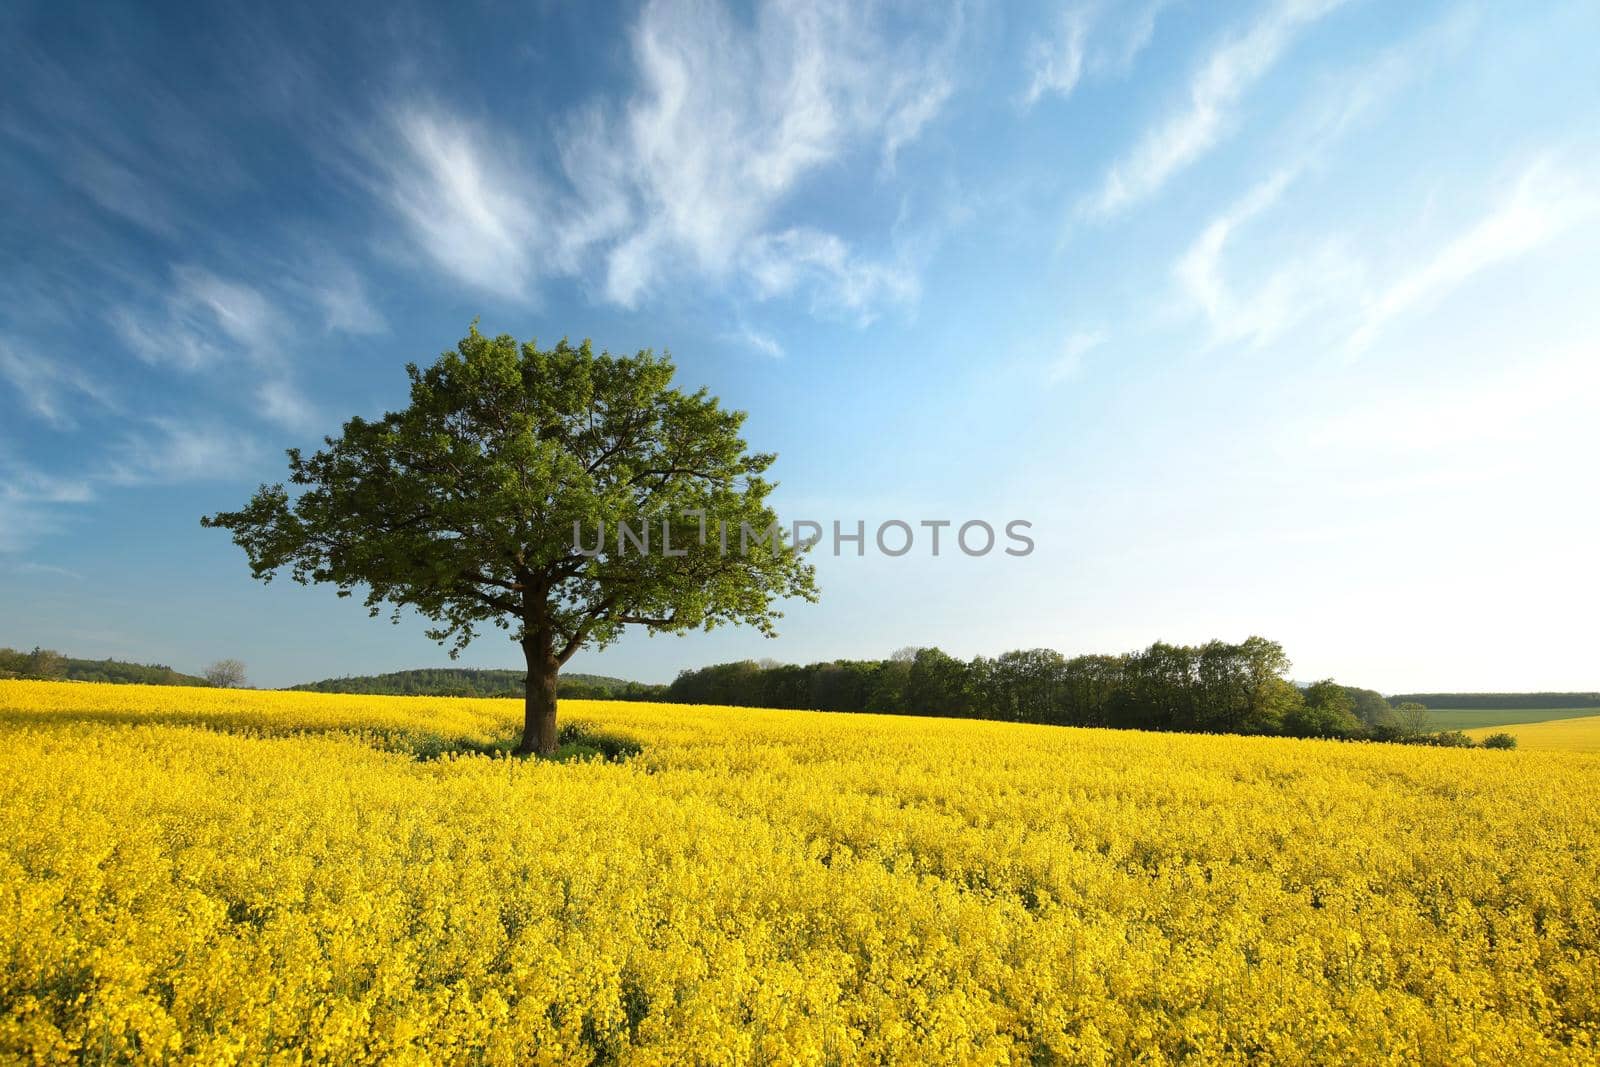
(195,876)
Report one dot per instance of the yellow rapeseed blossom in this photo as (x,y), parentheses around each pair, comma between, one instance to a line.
(217,877)
(1568,735)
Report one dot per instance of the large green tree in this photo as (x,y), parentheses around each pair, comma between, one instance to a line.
(554,493)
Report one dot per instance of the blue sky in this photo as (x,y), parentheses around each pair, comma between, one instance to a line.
(1272,317)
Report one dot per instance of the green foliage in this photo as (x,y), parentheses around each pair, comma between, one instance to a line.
(1217,687)
(1443,739)
(48,664)
(575,742)
(1499,740)
(482,682)
(1327,710)
(937,684)
(39,663)
(579,741)
(466,506)
(1501,701)
(1369,706)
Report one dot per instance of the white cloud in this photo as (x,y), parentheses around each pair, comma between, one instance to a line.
(27,484)
(1090,38)
(724,127)
(780,263)
(754,339)
(238,310)
(31,567)
(1190,131)
(282,403)
(119,190)
(214,324)
(204,322)
(178,450)
(28,502)
(1543,203)
(689,174)
(471,211)
(153,451)
(48,388)
(1325,274)
(346,306)
(1068,362)
(1057,63)
(1353,295)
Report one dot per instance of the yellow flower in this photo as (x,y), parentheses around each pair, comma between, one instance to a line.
(222,876)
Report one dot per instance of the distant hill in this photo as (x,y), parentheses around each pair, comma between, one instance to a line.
(1499,701)
(480,682)
(43,663)
(115,670)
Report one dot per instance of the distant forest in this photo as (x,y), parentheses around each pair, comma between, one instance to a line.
(1212,688)
(480,682)
(1217,687)
(1500,701)
(47,663)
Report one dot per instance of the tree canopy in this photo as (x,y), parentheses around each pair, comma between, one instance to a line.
(499,497)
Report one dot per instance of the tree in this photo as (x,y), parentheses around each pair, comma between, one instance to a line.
(888,694)
(1370,707)
(1328,711)
(1269,697)
(225,674)
(498,495)
(1414,718)
(937,684)
(1092,685)
(44,663)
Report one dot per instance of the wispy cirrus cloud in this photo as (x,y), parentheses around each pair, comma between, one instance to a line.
(1202,120)
(1325,273)
(755,340)
(207,323)
(342,295)
(48,569)
(150,451)
(281,401)
(1354,294)
(1544,202)
(205,320)
(688,171)
(1068,361)
(1089,38)
(30,501)
(726,123)
(477,217)
(161,450)
(823,263)
(49,388)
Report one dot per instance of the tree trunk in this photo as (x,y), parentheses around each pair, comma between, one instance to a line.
(539,700)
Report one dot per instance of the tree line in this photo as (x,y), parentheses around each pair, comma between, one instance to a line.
(48,664)
(482,682)
(1217,687)
(1501,701)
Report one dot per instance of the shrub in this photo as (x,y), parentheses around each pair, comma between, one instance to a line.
(1444,739)
(579,741)
(1500,740)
